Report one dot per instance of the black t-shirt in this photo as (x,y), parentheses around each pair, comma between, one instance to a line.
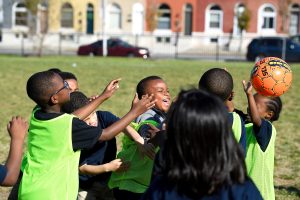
(101,153)
(83,135)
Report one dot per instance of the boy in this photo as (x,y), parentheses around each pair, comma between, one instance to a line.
(55,138)
(131,184)
(17,129)
(97,163)
(261,135)
(71,79)
(220,83)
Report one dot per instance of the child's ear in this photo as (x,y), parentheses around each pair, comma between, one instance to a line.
(230,98)
(53,99)
(269,115)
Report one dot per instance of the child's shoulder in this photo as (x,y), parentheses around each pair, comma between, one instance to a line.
(149,114)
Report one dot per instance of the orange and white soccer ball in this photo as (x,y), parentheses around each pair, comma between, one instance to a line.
(271,76)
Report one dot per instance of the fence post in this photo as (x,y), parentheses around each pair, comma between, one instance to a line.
(217,49)
(59,43)
(283,48)
(22,44)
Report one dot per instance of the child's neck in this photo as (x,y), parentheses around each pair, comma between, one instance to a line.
(52,109)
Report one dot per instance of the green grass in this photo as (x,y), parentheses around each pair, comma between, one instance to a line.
(94,73)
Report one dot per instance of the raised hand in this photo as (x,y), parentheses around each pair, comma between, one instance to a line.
(140,106)
(111,88)
(17,128)
(247,87)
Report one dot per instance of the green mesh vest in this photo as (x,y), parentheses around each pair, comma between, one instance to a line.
(260,165)
(51,167)
(137,178)
(236,126)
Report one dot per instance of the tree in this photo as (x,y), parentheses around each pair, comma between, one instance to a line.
(243,23)
(152,15)
(284,13)
(37,14)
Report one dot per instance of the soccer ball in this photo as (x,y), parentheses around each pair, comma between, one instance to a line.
(271,76)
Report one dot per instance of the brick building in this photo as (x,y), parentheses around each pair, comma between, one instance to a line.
(219,17)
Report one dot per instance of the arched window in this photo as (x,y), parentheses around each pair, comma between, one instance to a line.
(214,18)
(20,15)
(188,19)
(90,19)
(115,17)
(66,16)
(238,11)
(164,19)
(267,19)
(294,19)
(137,19)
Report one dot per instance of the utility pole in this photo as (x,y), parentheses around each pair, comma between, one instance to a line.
(104,24)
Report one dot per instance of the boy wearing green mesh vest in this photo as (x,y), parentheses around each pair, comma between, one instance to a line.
(131,184)
(55,138)
(260,141)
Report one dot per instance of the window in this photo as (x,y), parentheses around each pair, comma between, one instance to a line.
(115,17)
(90,19)
(164,19)
(294,19)
(66,16)
(188,19)
(20,15)
(267,19)
(215,16)
(214,19)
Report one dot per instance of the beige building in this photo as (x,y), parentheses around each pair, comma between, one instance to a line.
(69,16)
(86,16)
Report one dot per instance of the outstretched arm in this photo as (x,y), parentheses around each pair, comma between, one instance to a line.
(17,129)
(112,166)
(253,112)
(86,110)
(138,107)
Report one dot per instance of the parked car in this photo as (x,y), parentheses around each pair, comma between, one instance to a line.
(295,38)
(115,47)
(273,46)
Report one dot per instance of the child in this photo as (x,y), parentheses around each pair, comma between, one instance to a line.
(71,79)
(17,129)
(203,161)
(131,184)
(97,163)
(261,136)
(55,138)
(220,83)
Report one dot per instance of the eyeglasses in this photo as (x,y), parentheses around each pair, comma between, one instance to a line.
(66,86)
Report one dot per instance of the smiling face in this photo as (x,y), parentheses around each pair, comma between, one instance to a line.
(161,93)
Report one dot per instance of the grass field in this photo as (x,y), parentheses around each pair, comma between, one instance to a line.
(94,73)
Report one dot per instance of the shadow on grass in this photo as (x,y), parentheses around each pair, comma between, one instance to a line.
(289,189)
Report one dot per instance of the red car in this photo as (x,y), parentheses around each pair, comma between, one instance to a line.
(115,47)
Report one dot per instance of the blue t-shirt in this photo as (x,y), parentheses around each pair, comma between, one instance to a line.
(160,189)
(263,134)
(102,152)
(3,172)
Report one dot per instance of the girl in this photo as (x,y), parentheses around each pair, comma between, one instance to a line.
(203,160)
